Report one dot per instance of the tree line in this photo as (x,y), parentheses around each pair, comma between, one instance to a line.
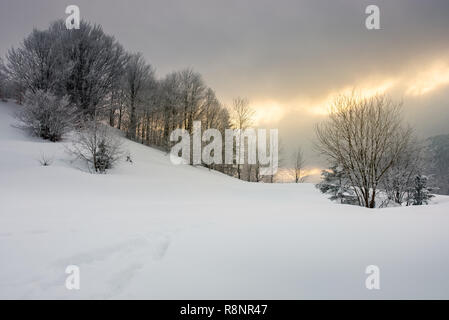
(83,77)
(69,78)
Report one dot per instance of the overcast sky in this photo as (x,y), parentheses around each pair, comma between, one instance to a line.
(288,57)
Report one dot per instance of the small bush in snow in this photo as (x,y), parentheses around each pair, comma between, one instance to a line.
(46,115)
(45,161)
(96,144)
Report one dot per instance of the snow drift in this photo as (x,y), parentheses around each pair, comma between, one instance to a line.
(150,229)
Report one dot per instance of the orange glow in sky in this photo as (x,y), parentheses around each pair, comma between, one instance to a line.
(412,83)
(429,80)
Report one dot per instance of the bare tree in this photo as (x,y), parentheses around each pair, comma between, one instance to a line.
(223,122)
(298,165)
(275,173)
(192,91)
(365,136)
(242,119)
(82,64)
(115,102)
(137,77)
(97,61)
(169,104)
(400,179)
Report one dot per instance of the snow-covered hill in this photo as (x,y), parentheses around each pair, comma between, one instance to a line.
(154,230)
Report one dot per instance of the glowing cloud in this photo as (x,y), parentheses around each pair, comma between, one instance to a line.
(429,80)
(288,174)
(368,90)
(267,112)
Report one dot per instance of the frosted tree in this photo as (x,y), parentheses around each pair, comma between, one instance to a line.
(96,61)
(46,115)
(365,137)
(192,90)
(38,63)
(169,100)
(209,113)
(400,178)
(298,165)
(115,101)
(83,64)
(138,75)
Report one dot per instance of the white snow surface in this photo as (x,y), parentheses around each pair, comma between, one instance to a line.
(153,230)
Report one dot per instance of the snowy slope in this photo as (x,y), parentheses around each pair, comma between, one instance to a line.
(154,230)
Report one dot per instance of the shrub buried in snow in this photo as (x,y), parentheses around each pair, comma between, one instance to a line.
(97,145)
